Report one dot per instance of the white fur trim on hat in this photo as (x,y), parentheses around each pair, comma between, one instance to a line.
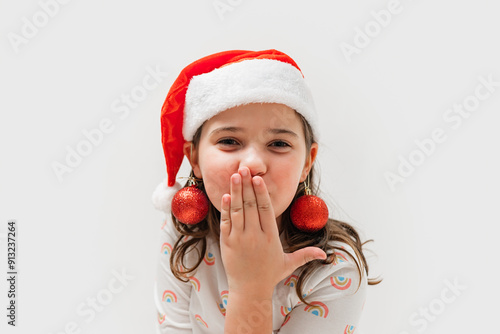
(248,81)
(163,194)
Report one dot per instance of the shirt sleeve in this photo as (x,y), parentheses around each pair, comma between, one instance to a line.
(337,295)
(171,295)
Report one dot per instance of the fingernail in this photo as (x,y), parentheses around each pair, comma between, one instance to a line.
(236,179)
(244,172)
(256,181)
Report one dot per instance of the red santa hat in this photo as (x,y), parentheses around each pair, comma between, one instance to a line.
(216,83)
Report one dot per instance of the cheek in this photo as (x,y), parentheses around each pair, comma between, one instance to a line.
(285,180)
(288,172)
(216,173)
(289,188)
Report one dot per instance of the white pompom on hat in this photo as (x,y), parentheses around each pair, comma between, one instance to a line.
(216,83)
(163,195)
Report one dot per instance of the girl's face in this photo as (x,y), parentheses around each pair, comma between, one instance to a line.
(267,138)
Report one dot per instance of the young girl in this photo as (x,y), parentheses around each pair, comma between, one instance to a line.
(246,247)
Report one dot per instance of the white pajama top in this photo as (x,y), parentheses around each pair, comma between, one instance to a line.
(199,306)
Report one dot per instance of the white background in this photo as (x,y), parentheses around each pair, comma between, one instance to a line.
(437,226)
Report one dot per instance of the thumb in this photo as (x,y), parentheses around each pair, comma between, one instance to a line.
(303,256)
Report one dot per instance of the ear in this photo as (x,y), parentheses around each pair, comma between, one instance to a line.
(190,152)
(309,161)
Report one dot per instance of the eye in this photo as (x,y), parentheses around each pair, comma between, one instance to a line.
(227,142)
(280,144)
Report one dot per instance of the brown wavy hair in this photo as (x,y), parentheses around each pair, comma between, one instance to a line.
(194,237)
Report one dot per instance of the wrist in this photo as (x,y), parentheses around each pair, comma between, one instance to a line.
(251,292)
(249,312)
(249,297)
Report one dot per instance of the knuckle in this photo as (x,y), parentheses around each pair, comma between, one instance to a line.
(265,206)
(250,203)
(236,209)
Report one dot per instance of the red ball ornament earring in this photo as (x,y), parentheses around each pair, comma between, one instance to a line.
(190,204)
(309,213)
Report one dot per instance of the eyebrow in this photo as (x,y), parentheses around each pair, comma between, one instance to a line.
(275,131)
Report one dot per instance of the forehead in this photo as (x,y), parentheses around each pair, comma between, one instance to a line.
(257,116)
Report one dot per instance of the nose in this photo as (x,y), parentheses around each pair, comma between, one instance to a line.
(254,160)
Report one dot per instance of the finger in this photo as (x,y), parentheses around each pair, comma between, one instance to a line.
(251,215)
(236,207)
(302,256)
(225,216)
(264,206)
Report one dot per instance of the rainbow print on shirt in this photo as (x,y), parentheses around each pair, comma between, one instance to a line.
(286,320)
(318,309)
(349,329)
(209,258)
(285,310)
(195,282)
(169,297)
(166,248)
(339,258)
(340,282)
(200,320)
(291,281)
(161,318)
(223,304)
